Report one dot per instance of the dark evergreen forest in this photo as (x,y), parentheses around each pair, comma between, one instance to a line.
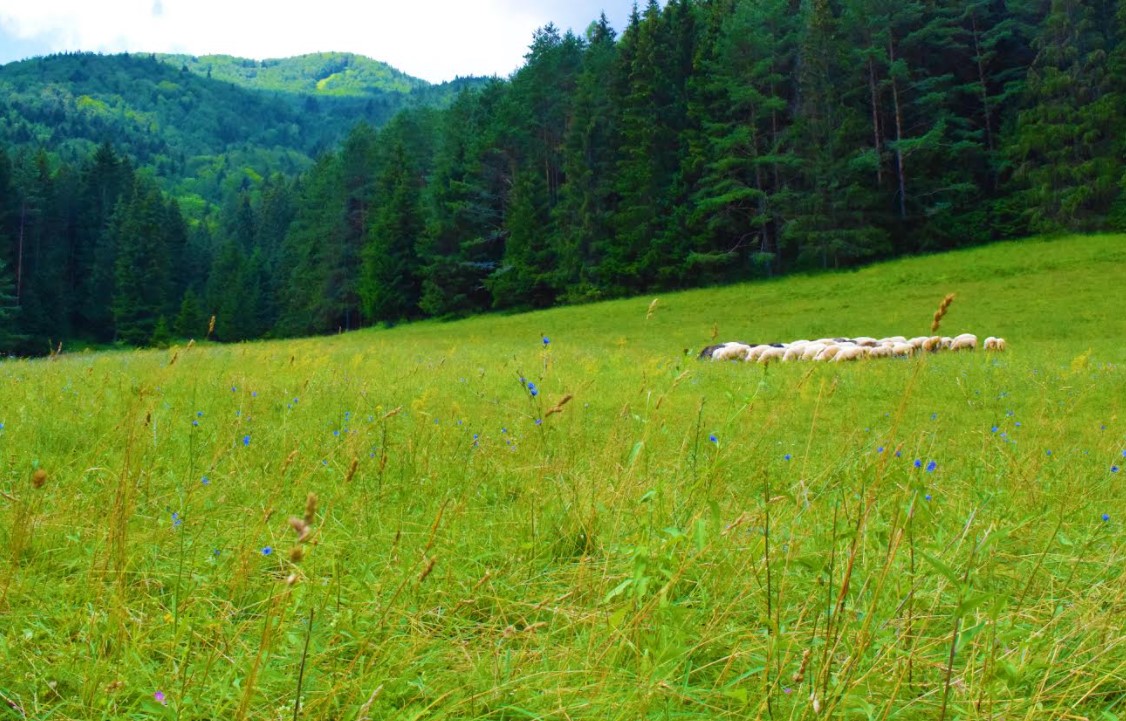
(711,141)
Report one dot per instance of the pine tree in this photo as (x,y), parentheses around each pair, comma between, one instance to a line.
(141,276)
(390,286)
(1067,142)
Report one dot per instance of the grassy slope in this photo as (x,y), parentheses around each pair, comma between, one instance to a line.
(610,563)
(339,74)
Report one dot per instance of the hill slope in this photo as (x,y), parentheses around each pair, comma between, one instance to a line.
(463,521)
(165,112)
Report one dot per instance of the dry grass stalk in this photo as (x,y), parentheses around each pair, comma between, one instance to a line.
(943,307)
(288,461)
(210,326)
(352,470)
(391,413)
(310,508)
(652,309)
(558,407)
(429,568)
(38,478)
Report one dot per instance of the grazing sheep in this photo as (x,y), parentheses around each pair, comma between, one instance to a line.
(866,341)
(795,350)
(812,350)
(994,344)
(932,344)
(918,341)
(850,353)
(771,354)
(945,342)
(755,352)
(828,354)
(731,351)
(881,351)
(902,349)
(966,341)
(894,339)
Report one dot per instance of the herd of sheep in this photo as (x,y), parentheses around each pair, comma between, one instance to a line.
(847,349)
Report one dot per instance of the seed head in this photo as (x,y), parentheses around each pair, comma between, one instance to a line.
(38,478)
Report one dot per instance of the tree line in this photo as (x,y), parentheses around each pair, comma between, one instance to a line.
(713,141)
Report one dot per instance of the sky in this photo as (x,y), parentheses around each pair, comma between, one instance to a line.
(435,40)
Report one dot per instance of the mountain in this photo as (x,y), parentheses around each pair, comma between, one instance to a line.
(203,124)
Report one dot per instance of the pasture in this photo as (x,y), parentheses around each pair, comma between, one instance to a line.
(390,524)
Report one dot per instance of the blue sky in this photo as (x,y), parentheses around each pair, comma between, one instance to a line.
(431,39)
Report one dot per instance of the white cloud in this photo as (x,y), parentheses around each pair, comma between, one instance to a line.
(431,39)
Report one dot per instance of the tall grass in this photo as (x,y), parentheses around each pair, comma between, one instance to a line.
(646,536)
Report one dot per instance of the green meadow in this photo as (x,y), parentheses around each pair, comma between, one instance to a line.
(390,524)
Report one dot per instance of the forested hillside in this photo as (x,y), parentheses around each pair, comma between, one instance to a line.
(203,125)
(713,140)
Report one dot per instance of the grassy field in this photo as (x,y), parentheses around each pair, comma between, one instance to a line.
(389,524)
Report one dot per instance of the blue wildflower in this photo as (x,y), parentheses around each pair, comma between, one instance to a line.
(1049,451)
(931,466)
(1018,424)
(199,414)
(546,340)
(918,463)
(205,481)
(934,416)
(233,389)
(713,438)
(534,392)
(215,552)
(176,520)
(787,457)
(880,449)
(267,551)
(1114,469)
(246,440)
(899,454)
(928,496)
(539,421)
(195,423)
(1106,518)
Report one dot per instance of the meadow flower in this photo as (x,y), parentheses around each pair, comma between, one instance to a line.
(994,429)
(533,391)
(546,340)
(1106,518)
(176,520)
(928,496)
(1114,469)
(539,421)
(899,454)
(1049,451)
(713,438)
(787,457)
(880,449)
(215,552)
(1018,424)
(267,551)
(246,440)
(918,463)
(195,423)
(205,481)
(233,389)
(199,414)
(931,466)
(160,699)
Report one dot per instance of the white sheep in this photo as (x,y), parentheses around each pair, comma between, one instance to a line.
(965,341)
(755,352)
(772,354)
(881,351)
(828,353)
(812,350)
(994,344)
(851,353)
(795,350)
(866,341)
(894,339)
(902,348)
(731,351)
(932,344)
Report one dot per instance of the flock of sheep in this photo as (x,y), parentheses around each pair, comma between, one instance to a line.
(847,349)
